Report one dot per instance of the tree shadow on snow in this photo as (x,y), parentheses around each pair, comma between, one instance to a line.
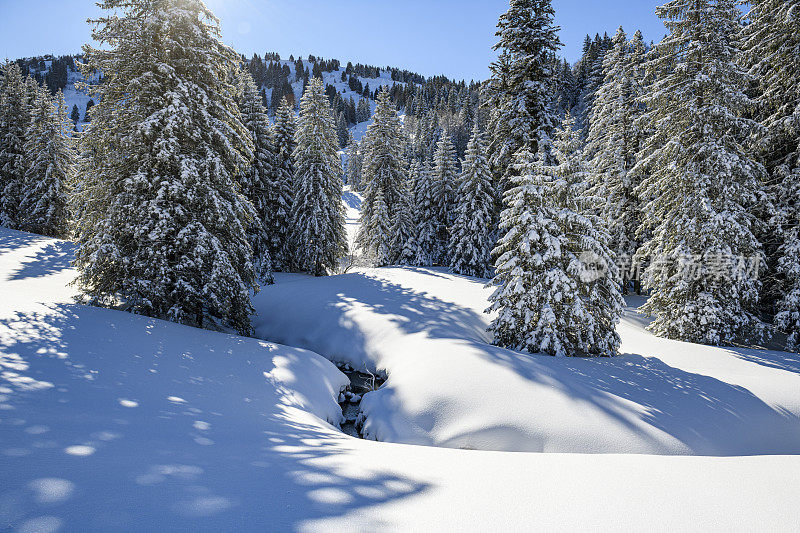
(710,416)
(411,311)
(51,259)
(790,362)
(351,200)
(11,240)
(138,424)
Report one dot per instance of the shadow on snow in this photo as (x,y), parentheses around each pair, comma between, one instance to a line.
(710,416)
(152,428)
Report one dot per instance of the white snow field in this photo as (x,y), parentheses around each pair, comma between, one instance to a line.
(447,386)
(114,422)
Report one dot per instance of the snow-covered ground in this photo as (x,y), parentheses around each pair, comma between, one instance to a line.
(447,386)
(110,421)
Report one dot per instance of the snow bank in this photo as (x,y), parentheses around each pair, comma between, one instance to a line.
(448,387)
(113,422)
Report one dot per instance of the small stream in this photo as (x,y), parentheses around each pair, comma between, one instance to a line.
(350,399)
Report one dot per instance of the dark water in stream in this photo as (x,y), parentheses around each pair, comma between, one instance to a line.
(350,399)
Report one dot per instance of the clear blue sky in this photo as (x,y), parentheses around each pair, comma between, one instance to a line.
(451,37)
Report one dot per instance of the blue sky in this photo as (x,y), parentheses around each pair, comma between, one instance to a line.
(451,37)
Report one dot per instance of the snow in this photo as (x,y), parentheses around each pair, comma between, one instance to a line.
(352,206)
(74,96)
(448,387)
(220,432)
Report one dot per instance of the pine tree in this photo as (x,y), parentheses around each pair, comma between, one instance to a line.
(269,197)
(771,44)
(15,98)
(75,116)
(548,297)
(520,90)
(383,172)
(472,235)
(444,194)
(162,227)
(702,182)
(51,165)
(318,226)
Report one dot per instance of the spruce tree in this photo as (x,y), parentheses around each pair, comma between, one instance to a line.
(283,132)
(353,169)
(403,231)
(472,235)
(318,226)
(425,215)
(520,90)
(15,99)
(444,187)
(51,164)
(270,198)
(771,44)
(363,110)
(703,183)
(548,298)
(384,173)
(163,226)
(341,129)
(613,144)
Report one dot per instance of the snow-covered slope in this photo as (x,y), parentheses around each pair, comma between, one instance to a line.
(448,387)
(75,96)
(110,421)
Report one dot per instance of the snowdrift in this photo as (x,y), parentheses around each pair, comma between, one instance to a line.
(448,387)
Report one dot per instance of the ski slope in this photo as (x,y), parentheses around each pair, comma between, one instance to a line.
(110,421)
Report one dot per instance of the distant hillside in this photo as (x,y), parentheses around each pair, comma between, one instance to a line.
(347,84)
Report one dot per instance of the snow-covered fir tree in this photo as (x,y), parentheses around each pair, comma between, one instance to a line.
(425,214)
(50,154)
(15,99)
(472,236)
(163,227)
(363,113)
(788,307)
(383,172)
(380,251)
(353,166)
(318,226)
(444,185)
(283,132)
(404,230)
(613,144)
(519,92)
(771,44)
(550,296)
(262,183)
(703,182)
